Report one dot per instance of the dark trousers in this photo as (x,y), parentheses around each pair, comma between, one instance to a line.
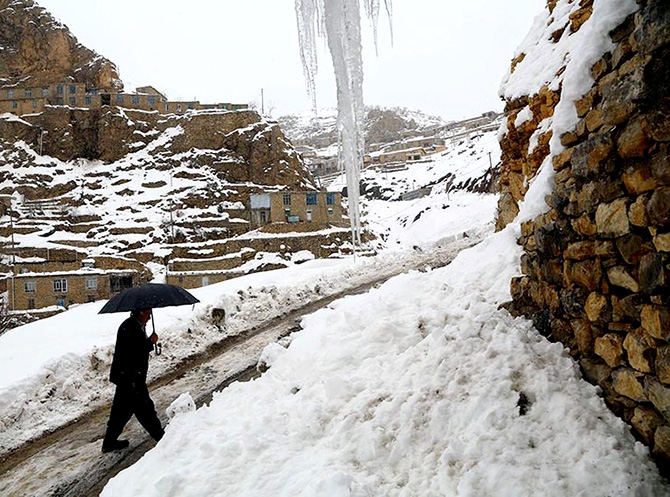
(129,400)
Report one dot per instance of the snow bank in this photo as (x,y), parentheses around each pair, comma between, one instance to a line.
(412,389)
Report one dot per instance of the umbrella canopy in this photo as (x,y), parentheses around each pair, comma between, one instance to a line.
(148,296)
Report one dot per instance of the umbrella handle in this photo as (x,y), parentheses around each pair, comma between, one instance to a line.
(158,348)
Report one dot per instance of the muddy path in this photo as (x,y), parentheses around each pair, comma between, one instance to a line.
(68,463)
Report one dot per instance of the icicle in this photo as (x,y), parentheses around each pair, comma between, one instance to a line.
(341,23)
(372,11)
(310,26)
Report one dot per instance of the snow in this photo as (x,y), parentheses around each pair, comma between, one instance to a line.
(411,389)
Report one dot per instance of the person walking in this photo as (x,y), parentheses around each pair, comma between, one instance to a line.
(129,374)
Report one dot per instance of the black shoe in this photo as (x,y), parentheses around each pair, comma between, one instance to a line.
(114,445)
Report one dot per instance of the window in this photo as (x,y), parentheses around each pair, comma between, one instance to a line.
(29,286)
(118,284)
(59,90)
(73,89)
(88,100)
(119,99)
(190,106)
(178,107)
(330,211)
(91,283)
(167,107)
(31,303)
(34,103)
(287,199)
(15,104)
(60,286)
(60,301)
(136,99)
(330,198)
(152,100)
(59,101)
(264,217)
(29,92)
(91,298)
(309,215)
(45,92)
(73,101)
(10,93)
(287,212)
(311,198)
(205,280)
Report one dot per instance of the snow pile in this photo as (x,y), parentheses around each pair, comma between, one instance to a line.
(421,387)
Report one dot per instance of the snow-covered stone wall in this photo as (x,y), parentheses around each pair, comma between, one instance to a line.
(596,267)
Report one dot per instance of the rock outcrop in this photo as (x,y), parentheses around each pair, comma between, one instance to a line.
(115,179)
(596,265)
(37,50)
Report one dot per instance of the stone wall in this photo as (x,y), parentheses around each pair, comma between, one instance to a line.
(596,266)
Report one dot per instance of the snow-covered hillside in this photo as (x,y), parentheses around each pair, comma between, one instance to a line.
(381,125)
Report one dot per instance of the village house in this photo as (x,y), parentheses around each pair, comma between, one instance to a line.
(37,278)
(319,208)
(320,162)
(32,100)
(408,150)
(29,291)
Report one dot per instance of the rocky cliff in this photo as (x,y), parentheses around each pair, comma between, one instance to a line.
(596,272)
(112,180)
(37,50)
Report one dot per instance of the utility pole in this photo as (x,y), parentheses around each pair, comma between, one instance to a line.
(11,229)
(262,103)
(171,209)
(41,138)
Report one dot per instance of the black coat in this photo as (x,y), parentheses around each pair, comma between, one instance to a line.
(131,354)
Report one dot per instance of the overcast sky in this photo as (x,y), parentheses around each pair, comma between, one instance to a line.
(448,56)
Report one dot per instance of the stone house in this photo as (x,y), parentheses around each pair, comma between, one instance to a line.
(411,149)
(41,277)
(319,208)
(32,100)
(27,100)
(406,155)
(39,290)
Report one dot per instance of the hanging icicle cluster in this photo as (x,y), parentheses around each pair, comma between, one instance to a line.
(340,23)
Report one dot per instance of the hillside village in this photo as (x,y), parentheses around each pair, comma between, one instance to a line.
(21,100)
(217,190)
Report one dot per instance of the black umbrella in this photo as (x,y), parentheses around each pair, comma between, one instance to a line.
(149,296)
